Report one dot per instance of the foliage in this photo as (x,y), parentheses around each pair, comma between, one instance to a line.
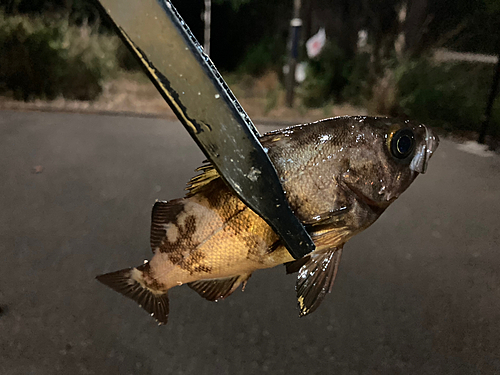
(126,60)
(466,25)
(332,75)
(450,95)
(360,79)
(77,11)
(262,57)
(238,27)
(235,4)
(326,76)
(44,60)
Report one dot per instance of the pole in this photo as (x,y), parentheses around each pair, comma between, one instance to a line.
(295,26)
(491,100)
(207,17)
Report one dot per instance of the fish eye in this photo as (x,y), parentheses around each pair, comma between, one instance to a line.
(402,143)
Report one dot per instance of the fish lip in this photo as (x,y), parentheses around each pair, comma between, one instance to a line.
(424,153)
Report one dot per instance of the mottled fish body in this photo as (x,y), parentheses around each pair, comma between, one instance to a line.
(339,175)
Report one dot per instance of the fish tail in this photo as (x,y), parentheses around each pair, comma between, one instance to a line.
(131,283)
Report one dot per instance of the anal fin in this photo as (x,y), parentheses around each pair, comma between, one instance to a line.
(218,289)
(315,279)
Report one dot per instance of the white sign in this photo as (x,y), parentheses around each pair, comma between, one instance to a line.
(300,72)
(315,44)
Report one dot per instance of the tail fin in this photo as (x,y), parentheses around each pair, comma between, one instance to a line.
(130,283)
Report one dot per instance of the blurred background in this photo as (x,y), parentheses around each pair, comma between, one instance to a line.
(87,145)
(429,60)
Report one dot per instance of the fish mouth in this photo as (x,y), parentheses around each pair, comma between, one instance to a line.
(424,153)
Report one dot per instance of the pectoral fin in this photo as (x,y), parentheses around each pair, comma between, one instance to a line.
(296,265)
(217,289)
(315,279)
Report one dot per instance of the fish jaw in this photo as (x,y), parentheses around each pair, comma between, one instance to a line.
(377,207)
(424,153)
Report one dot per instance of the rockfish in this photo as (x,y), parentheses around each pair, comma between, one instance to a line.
(339,175)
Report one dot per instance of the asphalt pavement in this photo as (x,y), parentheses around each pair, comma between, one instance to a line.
(417,293)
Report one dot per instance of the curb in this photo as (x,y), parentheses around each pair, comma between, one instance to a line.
(27,107)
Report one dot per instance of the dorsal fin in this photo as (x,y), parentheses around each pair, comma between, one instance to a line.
(163,213)
(316,279)
(217,289)
(208,173)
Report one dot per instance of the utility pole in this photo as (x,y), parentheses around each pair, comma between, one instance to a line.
(491,100)
(295,26)
(207,17)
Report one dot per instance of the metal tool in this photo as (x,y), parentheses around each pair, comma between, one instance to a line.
(189,82)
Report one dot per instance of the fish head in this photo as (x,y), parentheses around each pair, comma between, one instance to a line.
(328,165)
(384,156)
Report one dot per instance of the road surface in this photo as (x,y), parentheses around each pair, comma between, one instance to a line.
(417,293)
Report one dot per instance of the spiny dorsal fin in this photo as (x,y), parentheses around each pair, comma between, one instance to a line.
(163,213)
(208,173)
(316,279)
(127,282)
(217,289)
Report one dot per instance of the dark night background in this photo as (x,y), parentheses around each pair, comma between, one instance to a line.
(417,293)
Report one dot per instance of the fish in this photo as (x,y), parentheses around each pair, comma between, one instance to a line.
(339,175)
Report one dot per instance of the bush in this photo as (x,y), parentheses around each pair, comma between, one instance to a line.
(326,77)
(126,60)
(335,76)
(360,79)
(267,55)
(44,60)
(450,95)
